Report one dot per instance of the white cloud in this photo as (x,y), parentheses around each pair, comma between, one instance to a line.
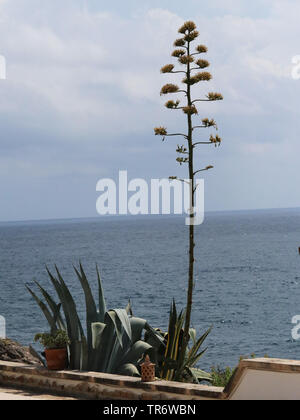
(87,77)
(122,57)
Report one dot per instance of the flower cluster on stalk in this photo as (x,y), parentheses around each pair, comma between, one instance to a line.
(195,72)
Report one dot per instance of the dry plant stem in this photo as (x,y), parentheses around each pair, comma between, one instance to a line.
(186,58)
(191,227)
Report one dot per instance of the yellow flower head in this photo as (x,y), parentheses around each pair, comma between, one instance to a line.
(185,59)
(188,26)
(172,104)
(203,76)
(201,49)
(190,110)
(160,131)
(213,96)
(202,64)
(178,53)
(169,88)
(179,42)
(215,140)
(167,68)
(191,36)
(209,123)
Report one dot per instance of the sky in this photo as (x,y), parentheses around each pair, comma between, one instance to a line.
(81,99)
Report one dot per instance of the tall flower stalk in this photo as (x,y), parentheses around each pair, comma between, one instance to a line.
(194,72)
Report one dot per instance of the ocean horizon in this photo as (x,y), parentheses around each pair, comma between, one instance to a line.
(129,216)
(247,283)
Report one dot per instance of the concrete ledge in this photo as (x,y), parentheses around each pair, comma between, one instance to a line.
(91,385)
(261,379)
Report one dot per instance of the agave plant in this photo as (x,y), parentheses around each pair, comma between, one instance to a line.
(112,340)
(170,365)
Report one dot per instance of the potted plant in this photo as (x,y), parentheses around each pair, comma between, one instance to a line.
(55,345)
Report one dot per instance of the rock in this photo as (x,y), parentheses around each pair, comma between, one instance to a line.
(11,351)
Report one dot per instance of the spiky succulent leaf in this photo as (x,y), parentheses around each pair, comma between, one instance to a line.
(102,305)
(55,308)
(128,369)
(51,320)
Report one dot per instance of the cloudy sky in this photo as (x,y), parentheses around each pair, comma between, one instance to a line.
(81,99)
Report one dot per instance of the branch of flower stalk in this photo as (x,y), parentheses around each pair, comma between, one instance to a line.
(174,178)
(204,100)
(196,68)
(205,126)
(176,134)
(202,142)
(177,107)
(204,169)
(199,126)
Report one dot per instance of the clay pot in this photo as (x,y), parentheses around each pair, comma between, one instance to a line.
(56,359)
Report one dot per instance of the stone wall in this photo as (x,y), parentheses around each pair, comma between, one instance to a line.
(256,379)
(91,385)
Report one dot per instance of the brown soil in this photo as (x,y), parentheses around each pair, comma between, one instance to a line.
(11,351)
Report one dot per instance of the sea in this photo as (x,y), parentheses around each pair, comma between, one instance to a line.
(247,282)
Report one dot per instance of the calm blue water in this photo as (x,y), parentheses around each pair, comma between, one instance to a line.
(247,285)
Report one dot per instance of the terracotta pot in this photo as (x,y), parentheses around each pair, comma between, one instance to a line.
(56,359)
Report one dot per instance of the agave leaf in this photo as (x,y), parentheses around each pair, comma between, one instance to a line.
(125,322)
(171,329)
(200,375)
(97,331)
(171,364)
(56,314)
(128,309)
(102,304)
(175,345)
(91,310)
(116,354)
(128,369)
(193,335)
(35,354)
(170,340)
(195,348)
(192,361)
(112,334)
(158,344)
(84,351)
(111,316)
(174,336)
(105,343)
(178,333)
(122,347)
(60,295)
(136,352)
(78,353)
(53,306)
(44,309)
(137,327)
(75,324)
(156,339)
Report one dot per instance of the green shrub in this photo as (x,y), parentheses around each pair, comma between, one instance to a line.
(112,341)
(220,377)
(172,367)
(58,340)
